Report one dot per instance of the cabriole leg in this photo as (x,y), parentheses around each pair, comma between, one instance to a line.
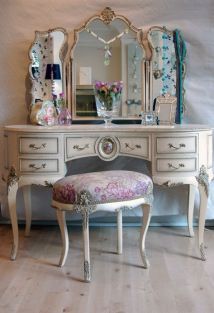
(12,191)
(28,210)
(190,212)
(64,235)
(85,226)
(202,216)
(145,224)
(120,232)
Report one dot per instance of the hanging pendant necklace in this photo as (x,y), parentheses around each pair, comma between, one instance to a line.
(107,52)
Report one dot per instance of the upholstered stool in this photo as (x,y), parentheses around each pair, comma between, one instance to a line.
(102,191)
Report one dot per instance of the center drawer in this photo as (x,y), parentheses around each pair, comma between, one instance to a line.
(80,146)
(138,146)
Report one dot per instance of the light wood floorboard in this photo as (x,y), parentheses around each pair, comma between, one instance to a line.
(176,282)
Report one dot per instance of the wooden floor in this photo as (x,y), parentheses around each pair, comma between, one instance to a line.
(176,282)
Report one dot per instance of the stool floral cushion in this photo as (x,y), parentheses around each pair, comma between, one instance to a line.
(102,187)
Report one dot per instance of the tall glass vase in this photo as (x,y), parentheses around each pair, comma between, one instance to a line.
(108,109)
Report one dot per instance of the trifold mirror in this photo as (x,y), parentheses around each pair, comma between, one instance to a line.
(108,48)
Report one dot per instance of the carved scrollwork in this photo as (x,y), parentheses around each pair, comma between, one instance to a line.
(203,179)
(12,178)
(87,274)
(107,15)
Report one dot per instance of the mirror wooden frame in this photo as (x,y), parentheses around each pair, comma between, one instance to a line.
(107,16)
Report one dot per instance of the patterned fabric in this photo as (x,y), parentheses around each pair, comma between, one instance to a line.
(102,187)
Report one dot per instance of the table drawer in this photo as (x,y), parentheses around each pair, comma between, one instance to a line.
(43,145)
(39,165)
(80,146)
(176,144)
(135,146)
(176,165)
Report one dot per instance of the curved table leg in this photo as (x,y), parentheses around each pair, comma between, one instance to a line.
(64,235)
(146,219)
(12,192)
(28,211)
(202,216)
(120,232)
(190,213)
(85,227)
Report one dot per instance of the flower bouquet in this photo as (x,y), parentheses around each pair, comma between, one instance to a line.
(108,96)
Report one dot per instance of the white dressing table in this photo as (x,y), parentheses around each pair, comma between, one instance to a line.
(180,154)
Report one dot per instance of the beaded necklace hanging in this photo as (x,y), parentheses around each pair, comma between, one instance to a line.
(107,52)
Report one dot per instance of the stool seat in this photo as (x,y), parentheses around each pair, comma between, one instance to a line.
(102,191)
(102,187)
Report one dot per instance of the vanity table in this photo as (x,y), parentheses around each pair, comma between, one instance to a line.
(179,154)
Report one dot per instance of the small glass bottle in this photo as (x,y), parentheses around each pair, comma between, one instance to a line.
(64,117)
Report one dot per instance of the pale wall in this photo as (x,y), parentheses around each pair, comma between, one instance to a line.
(20,18)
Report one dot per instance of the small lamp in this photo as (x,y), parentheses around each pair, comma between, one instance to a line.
(53,73)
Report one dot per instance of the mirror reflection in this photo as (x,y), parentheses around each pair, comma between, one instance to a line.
(106,52)
(108,48)
(46,68)
(163,63)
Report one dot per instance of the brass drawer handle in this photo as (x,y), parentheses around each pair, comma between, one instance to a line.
(77,147)
(34,147)
(180,165)
(181,145)
(133,147)
(33,166)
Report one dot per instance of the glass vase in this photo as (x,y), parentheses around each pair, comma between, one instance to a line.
(64,117)
(108,110)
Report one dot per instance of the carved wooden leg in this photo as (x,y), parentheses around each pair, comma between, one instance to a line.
(12,191)
(203,186)
(64,235)
(85,226)
(191,209)
(202,216)
(145,224)
(120,232)
(28,211)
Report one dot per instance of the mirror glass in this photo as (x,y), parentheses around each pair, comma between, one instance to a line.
(46,67)
(106,52)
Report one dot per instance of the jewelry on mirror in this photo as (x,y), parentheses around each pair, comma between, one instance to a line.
(108,53)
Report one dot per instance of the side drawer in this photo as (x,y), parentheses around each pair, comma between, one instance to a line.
(176,165)
(176,144)
(80,146)
(39,165)
(37,145)
(138,146)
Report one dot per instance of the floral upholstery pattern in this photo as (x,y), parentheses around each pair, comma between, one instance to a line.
(102,187)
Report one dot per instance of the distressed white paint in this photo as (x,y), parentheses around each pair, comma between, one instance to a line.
(19,19)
